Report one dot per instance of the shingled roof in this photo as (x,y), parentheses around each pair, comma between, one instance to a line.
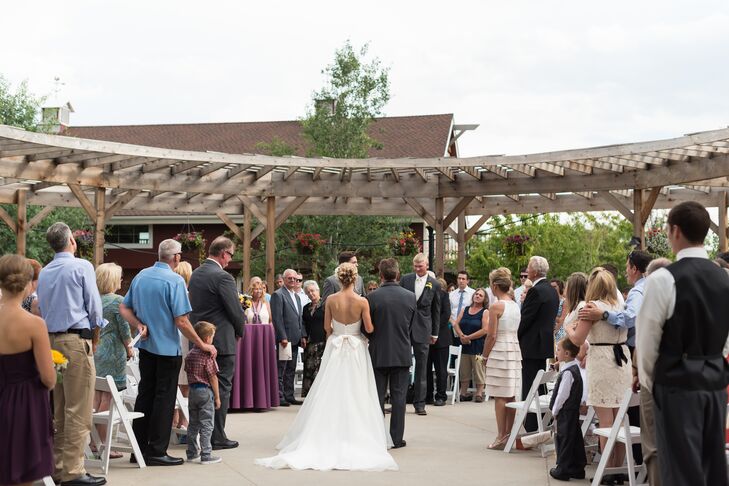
(400,136)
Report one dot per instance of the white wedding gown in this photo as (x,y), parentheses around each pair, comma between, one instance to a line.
(340,425)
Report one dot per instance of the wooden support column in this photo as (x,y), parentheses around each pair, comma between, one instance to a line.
(21,227)
(100,226)
(461,265)
(638,224)
(270,241)
(723,197)
(247,249)
(439,238)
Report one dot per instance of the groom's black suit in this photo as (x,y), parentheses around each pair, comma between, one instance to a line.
(392,309)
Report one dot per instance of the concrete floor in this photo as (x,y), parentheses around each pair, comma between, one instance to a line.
(448,446)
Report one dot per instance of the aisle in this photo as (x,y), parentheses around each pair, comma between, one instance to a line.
(448,446)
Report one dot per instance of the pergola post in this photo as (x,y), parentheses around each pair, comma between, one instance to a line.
(439,237)
(723,197)
(638,224)
(270,241)
(99,226)
(461,265)
(247,249)
(21,227)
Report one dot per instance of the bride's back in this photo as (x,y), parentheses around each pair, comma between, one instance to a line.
(345,306)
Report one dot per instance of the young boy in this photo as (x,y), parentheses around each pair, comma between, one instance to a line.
(565,406)
(203,398)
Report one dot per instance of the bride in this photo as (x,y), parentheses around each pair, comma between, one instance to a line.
(340,425)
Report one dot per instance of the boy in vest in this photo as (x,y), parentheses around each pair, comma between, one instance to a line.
(204,396)
(565,406)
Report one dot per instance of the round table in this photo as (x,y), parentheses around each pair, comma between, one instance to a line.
(255,384)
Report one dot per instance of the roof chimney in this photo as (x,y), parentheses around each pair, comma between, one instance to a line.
(55,119)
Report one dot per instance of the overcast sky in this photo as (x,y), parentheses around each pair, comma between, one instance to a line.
(536,76)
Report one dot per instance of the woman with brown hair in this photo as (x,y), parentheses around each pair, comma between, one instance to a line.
(471,326)
(502,353)
(609,372)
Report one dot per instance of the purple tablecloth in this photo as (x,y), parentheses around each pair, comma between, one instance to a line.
(255,384)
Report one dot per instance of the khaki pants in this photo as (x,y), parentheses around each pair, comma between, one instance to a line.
(72,401)
(471,370)
(648,437)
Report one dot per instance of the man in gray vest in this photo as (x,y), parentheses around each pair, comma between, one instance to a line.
(331,283)
(681,342)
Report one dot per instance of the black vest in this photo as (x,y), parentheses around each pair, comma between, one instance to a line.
(690,355)
(575,397)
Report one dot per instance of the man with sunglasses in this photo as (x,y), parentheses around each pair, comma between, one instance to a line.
(523,276)
(214,298)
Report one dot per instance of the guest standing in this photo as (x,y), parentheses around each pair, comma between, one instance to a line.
(502,353)
(471,327)
(157,306)
(214,298)
(286,316)
(313,317)
(260,310)
(438,353)
(30,303)
(113,351)
(609,373)
(71,306)
(332,285)
(558,287)
(459,299)
(682,331)
(184,270)
(426,324)
(26,375)
(536,338)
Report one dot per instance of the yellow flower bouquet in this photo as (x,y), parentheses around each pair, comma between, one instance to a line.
(60,362)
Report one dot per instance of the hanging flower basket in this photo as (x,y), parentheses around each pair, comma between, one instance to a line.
(308,243)
(193,241)
(405,244)
(656,242)
(516,244)
(84,243)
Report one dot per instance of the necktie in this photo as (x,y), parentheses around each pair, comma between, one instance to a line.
(460,302)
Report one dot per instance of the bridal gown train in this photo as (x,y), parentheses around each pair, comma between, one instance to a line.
(340,425)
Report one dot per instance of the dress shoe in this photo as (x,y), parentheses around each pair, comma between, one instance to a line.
(133,459)
(439,403)
(401,444)
(228,444)
(295,402)
(284,403)
(559,474)
(420,411)
(577,474)
(85,480)
(165,460)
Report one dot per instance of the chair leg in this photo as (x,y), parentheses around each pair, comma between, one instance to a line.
(518,421)
(604,457)
(135,445)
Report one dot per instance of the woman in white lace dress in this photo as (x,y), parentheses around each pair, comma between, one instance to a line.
(609,372)
(340,425)
(502,353)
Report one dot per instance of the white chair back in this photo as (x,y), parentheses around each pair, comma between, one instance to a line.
(532,403)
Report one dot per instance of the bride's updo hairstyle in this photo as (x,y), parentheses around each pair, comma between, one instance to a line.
(347,274)
(15,273)
(501,279)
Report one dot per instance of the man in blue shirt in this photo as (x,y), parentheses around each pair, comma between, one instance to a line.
(71,306)
(156,306)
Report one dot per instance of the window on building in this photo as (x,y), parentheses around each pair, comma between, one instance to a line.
(127,235)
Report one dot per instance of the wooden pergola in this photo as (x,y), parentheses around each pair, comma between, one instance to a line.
(103,177)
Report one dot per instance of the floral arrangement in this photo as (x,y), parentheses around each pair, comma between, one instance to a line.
(60,362)
(656,242)
(516,244)
(405,243)
(193,240)
(245,300)
(85,243)
(308,242)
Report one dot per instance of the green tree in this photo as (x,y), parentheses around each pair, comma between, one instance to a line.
(276,147)
(20,108)
(577,243)
(355,93)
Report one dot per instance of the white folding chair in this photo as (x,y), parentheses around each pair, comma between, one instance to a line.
(299,372)
(181,406)
(117,415)
(621,431)
(532,403)
(452,390)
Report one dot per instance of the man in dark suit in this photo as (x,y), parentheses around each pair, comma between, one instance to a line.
(214,298)
(392,309)
(286,316)
(438,354)
(426,324)
(536,338)
(331,283)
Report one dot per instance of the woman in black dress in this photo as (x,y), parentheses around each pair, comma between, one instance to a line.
(313,317)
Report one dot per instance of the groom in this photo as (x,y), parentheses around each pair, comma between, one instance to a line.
(392,309)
